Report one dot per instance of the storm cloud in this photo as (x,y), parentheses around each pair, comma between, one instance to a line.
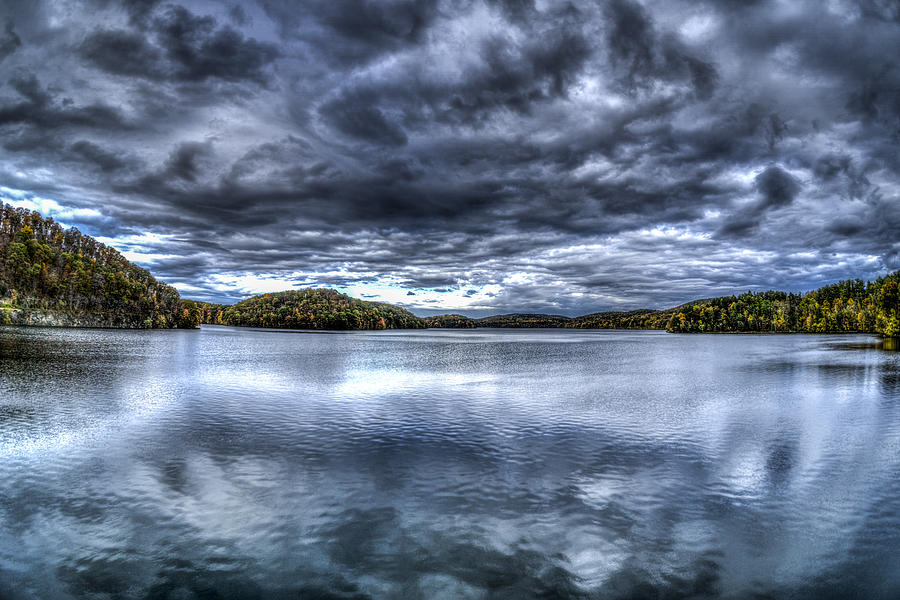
(464,155)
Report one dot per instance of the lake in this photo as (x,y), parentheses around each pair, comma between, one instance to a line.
(237,463)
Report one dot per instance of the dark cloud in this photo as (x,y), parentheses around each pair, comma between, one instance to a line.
(630,36)
(353,31)
(644,57)
(514,76)
(377,24)
(182,47)
(182,164)
(9,41)
(122,53)
(354,115)
(840,172)
(199,50)
(42,110)
(516,10)
(238,15)
(139,10)
(845,227)
(887,10)
(484,155)
(776,187)
(103,159)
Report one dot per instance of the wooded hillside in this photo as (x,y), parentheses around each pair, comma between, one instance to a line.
(310,309)
(71,278)
(851,306)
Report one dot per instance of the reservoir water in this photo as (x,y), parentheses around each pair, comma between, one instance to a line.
(234,463)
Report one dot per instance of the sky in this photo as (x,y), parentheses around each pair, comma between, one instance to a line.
(465,156)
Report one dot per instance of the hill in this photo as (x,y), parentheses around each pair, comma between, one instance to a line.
(451,322)
(633,319)
(61,277)
(310,309)
(851,306)
(636,319)
(523,320)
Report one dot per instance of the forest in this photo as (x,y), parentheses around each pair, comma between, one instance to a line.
(523,320)
(632,319)
(450,321)
(64,273)
(310,309)
(635,319)
(851,306)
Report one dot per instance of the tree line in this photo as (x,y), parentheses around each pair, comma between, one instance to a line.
(310,309)
(46,267)
(851,306)
(635,319)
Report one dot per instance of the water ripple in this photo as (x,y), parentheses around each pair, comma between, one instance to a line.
(441,464)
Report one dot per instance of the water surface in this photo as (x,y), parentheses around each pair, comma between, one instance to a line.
(234,463)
